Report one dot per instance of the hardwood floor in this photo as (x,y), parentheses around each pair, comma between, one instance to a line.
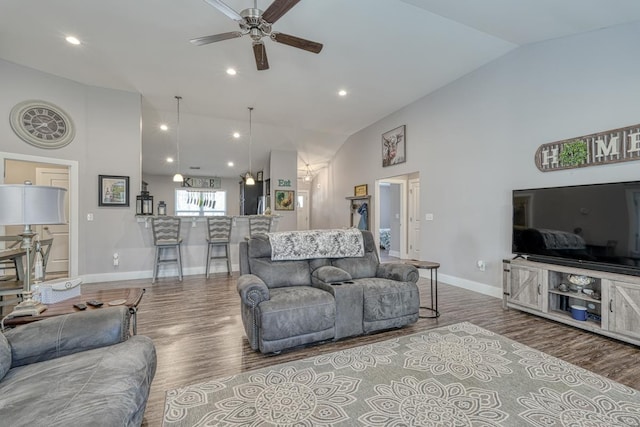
(198,334)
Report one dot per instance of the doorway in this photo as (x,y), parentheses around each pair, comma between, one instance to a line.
(394,217)
(303,209)
(58,261)
(15,169)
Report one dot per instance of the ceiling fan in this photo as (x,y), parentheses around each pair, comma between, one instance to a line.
(258,24)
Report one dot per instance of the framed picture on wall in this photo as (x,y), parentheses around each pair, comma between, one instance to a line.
(285,200)
(394,146)
(113,190)
(360,190)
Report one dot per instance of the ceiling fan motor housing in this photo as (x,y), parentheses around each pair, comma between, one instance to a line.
(254,24)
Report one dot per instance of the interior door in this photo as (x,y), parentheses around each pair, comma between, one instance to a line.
(303,210)
(414,219)
(59,255)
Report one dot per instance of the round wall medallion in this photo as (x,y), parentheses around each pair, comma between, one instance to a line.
(42,124)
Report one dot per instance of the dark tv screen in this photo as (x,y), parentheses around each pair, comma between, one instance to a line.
(592,226)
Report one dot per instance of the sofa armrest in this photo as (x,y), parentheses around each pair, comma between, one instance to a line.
(252,290)
(398,271)
(329,274)
(71,333)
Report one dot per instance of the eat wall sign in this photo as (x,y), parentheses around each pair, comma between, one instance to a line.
(612,146)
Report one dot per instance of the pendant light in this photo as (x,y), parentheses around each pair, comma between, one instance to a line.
(178,176)
(248,178)
(308,177)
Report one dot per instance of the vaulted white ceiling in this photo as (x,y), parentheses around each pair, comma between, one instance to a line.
(384,53)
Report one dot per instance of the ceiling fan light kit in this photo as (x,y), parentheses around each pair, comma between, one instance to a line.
(257,24)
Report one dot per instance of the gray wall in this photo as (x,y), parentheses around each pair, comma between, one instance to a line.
(107,142)
(474,141)
(284,166)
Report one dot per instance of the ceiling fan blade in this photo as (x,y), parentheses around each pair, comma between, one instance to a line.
(261,56)
(277,9)
(294,41)
(224,8)
(215,38)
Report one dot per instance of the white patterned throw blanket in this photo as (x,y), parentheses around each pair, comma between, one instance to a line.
(308,244)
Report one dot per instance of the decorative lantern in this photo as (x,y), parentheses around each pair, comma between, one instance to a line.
(162,208)
(144,204)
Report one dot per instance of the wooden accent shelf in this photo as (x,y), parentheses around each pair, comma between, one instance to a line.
(354,204)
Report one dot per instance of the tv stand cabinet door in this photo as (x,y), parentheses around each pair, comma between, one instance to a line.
(526,287)
(624,308)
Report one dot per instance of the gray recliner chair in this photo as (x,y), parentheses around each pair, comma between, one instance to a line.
(76,369)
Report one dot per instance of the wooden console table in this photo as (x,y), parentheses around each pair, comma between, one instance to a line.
(132,297)
(433,271)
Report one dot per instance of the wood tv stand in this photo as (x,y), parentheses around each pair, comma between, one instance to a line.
(533,287)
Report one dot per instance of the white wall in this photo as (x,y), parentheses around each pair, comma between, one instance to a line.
(107,141)
(473,142)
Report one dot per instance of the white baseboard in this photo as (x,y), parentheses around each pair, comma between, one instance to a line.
(395,254)
(470,285)
(148,274)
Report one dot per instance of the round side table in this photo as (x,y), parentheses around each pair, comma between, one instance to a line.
(433,271)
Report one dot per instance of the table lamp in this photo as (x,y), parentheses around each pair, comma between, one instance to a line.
(26,204)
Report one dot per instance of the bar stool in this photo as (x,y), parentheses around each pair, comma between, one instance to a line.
(219,228)
(166,235)
(259,224)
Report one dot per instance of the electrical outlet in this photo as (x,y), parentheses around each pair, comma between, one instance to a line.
(482,265)
(116,259)
(89,217)
(428,217)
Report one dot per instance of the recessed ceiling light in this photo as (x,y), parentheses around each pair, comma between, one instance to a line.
(342,92)
(236,135)
(230,164)
(73,40)
(164,127)
(169,159)
(231,71)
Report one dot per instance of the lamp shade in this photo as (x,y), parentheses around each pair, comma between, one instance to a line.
(22,204)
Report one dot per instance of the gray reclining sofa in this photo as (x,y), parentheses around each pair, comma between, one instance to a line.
(286,303)
(80,369)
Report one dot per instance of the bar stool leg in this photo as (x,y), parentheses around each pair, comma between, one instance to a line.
(227,250)
(179,259)
(208,260)
(156,265)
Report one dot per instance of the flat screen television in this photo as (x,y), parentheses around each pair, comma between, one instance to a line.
(590,226)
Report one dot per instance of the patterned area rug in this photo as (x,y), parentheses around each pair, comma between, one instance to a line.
(460,375)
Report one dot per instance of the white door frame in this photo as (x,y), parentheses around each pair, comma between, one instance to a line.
(301,193)
(412,253)
(73,198)
(403,213)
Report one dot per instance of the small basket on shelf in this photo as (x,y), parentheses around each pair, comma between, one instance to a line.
(578,282)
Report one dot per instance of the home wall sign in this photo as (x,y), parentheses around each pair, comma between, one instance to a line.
(284,183)
(202,182)
(603,148)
